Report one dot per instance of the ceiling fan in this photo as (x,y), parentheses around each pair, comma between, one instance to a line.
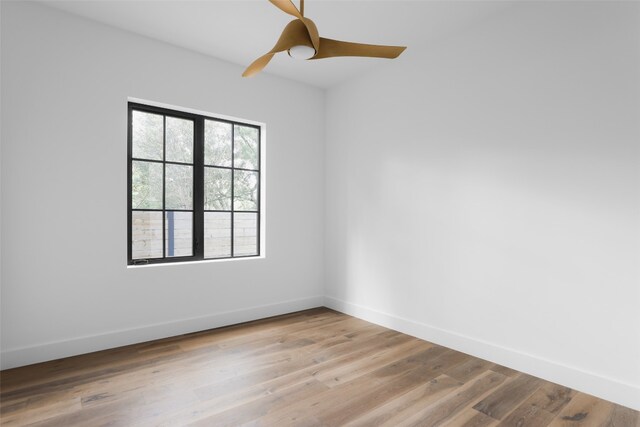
(300,39)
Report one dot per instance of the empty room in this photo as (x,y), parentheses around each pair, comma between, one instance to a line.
(319,213)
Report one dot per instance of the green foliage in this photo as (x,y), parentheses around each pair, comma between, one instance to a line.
(146,185)
(148,135)
(246,147)
(179,140)
(178,187)
(245,191)
(217,189)
(217,143)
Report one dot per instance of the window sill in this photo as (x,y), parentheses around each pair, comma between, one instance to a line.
(204,261)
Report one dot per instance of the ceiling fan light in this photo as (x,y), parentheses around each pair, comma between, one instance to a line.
(302,52)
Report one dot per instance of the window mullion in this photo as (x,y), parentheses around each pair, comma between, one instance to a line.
(198,189)
(129,184)
(259,207)
(164,185)
(233,184)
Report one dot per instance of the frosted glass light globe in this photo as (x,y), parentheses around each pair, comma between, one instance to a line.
(302,52)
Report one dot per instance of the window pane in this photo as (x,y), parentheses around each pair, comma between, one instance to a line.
(146,235)
(179,140)
(217,234)
(245,191)
(217,189)
(146,185)
(178,232)
(146,135)
(245,234)
(245,148)
(217,143)
(179,187)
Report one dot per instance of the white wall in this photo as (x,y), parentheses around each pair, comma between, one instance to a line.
(484,193)
(66,288)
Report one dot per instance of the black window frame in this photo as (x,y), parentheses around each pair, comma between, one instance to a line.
(198,185)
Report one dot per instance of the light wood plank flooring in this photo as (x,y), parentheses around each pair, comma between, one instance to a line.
(312,368)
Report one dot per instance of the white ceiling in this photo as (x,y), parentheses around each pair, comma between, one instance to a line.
(239,31)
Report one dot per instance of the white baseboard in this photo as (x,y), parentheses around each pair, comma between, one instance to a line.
(13,358)
(588,382)
(603,387)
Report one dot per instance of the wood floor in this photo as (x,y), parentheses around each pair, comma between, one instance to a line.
(313,368)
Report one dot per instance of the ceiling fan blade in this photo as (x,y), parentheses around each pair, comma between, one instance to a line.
(313,33)
(330,48)
(287,6)
(257,65)
(294,34)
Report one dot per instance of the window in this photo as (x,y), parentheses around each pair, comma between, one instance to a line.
(193,187)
